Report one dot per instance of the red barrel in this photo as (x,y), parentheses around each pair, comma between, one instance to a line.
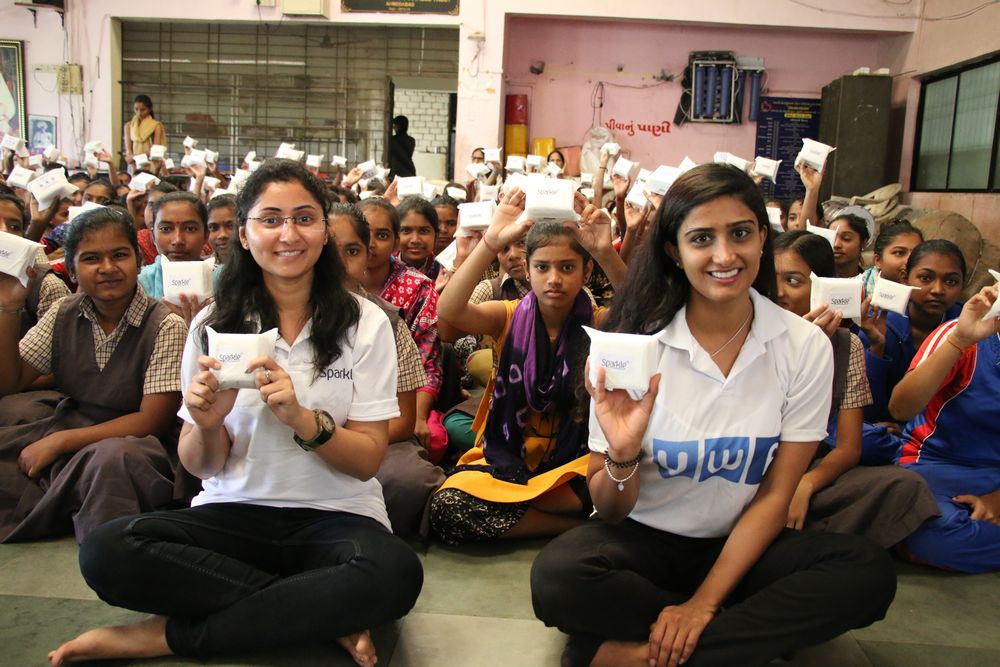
(517,110)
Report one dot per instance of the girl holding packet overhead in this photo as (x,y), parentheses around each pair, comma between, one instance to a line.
(950,397)
(290,524)
(883,503)
(937,269)
(524,477)
(115,353)
(688,557)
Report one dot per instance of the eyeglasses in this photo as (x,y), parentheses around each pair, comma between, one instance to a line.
(275,221)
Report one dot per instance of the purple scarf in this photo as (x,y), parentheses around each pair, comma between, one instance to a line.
(531,377)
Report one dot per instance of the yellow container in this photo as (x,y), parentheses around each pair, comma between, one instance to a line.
(515,139)
(543,146)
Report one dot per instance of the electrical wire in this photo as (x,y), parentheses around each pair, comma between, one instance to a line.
(951,17)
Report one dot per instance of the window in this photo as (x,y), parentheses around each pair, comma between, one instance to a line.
(957,138)
(240,86)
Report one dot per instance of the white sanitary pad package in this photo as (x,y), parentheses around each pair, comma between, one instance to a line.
(624,167)
(660,180)
(687,164)
(492,154)
(338,161)
(730,159)
(409,186)
(458,194)
(210,183)
(12,142)
(140,182)
(235,352)
(637,197)
(253,165)
(250,157)
(477,169)
(19,176)
(188,278)
(168,164)
(514,180)
(889,295)
(515,163)
(628,360)
(286,151)
(489,192)
(157,152)
(588,193)
(586,178)
(368,168)
(536,161)
(774,217)
(211,157)
(190,142)
(643,175)
(548,199)
(476,215)
(995,309)
(314,161)
(446,258)
(218,192)
(196,156)
(766,167)
(829,234)
(93,146)
(77,210)
(36,161)
(611,148)
(50,187)
(814,154)
(553,170)
(141,160)
(52,154)
(238,179)
(430,191)
(17,255)
(90,160)
(843,294)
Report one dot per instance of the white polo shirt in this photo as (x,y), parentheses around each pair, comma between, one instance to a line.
(265,466)
(711,438)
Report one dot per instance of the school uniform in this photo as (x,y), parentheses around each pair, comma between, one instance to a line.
(954,443)
(104,376)
(883,503)
(30,406)
(708,445)
(277,533)
(878,446)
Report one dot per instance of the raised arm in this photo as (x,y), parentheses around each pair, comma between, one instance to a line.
(489,317)
(941,352)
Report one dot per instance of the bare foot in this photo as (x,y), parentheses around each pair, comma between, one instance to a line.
(145,639)
(361,648)
(621,654)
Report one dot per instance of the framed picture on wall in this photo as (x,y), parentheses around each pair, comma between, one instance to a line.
(41,132)
(12,106)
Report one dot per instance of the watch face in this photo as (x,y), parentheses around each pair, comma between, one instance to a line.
(326,421)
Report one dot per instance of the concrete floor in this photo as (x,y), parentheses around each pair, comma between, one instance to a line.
(475,610)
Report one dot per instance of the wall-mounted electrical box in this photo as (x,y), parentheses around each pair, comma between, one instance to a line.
(69,79)
(306,8)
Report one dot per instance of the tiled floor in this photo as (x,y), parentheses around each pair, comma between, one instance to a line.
(475,610)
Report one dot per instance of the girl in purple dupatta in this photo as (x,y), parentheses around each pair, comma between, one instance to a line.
(526,475)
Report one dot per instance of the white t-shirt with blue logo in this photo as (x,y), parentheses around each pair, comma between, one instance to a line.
(711,438)
(265,466)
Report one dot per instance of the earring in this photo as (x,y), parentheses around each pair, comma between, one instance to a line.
(679,265)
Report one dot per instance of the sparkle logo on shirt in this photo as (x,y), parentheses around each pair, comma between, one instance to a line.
(737,459)
(337,374)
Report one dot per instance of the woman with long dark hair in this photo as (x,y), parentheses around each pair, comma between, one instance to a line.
(689,558)
(290,525)
(143,130)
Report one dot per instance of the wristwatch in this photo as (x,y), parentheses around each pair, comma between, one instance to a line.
(325,425)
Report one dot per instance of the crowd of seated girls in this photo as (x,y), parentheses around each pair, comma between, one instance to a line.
(486,424)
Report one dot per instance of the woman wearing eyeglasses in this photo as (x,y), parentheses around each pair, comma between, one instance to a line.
(289,540)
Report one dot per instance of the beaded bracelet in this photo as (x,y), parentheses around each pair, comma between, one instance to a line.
(623,464)
(620,482)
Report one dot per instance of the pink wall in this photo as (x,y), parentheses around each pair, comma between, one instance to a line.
(579,53)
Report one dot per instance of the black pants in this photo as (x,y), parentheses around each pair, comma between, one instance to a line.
(232,578)
(605,581)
